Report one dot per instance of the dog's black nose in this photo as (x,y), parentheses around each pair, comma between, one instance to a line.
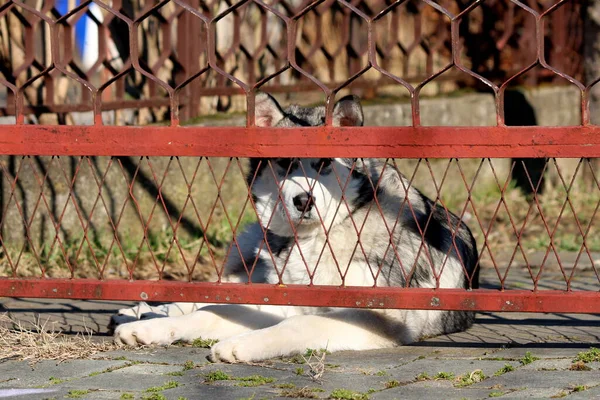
(304,202)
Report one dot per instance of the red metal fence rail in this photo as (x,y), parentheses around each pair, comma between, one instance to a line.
(181,229)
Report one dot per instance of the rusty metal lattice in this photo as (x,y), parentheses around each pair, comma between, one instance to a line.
(154,56)
(167,200)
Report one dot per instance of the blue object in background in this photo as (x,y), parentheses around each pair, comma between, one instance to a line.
(81,31)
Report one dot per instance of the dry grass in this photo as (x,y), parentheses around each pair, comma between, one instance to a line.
(44,342)
(497,209)
(315,359)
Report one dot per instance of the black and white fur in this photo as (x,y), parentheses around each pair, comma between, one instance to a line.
(342,197)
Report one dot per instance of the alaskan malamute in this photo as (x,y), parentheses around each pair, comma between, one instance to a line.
(298,201)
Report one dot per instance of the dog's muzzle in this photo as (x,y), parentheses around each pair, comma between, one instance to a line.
(304,202)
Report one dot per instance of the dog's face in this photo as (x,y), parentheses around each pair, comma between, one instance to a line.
(304,194)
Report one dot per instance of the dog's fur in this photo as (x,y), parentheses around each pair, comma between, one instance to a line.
(298,201)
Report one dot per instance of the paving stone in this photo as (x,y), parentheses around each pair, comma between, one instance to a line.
(559,351)
(591,393)
(330,380)
(200,391)
(112,381)
(542,379)
(378,359)
(526,393)
(19,374)
(148,369)
(69,316)
(459,367)
(27,393)
(102,395)
(429,390)
(548,364)
(90,395)
(554,338)
(160,355)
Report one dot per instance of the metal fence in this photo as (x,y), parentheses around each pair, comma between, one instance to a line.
(102,211)
(190,57)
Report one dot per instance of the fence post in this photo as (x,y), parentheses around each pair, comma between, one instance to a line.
(188,51)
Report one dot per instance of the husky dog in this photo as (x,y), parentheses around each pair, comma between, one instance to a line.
(325,221)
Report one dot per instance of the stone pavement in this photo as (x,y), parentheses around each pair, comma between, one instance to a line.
(443,367)
(506,355)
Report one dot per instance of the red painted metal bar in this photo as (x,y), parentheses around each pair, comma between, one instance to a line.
(333,296)
(405,142)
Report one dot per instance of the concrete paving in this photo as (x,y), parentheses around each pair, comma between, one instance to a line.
(508,355)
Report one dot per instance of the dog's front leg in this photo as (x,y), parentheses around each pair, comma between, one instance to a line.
(144,311)
(212,322)
(334,331)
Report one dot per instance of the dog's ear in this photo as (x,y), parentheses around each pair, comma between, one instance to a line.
(267,110)
(348,112)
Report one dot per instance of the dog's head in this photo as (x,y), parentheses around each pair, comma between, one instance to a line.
(304,194)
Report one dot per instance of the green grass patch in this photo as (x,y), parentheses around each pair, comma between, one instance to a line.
(154,396)
(496,394)
(245,381)
(423,377)
(188,365)
(504,370)
(579,388)
(345,394)
(254,380)
(111,369)
(315,353)
(469,379)
(127,396)
(392,384)
(56,381)
(593,354)
(444,376)
(528,358)
(76,394)
(217,375)
(303,393)
(285,386)
(204,343)
(308,353)
(166,386)
(297,359)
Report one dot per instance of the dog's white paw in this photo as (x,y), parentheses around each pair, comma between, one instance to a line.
(232,350)
(247,347)
(149,332)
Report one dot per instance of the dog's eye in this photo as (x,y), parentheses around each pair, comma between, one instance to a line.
(284,162)
(325,162)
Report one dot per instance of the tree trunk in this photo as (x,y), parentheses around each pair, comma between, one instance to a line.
(591,65)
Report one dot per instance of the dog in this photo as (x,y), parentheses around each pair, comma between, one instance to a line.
(311,215)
